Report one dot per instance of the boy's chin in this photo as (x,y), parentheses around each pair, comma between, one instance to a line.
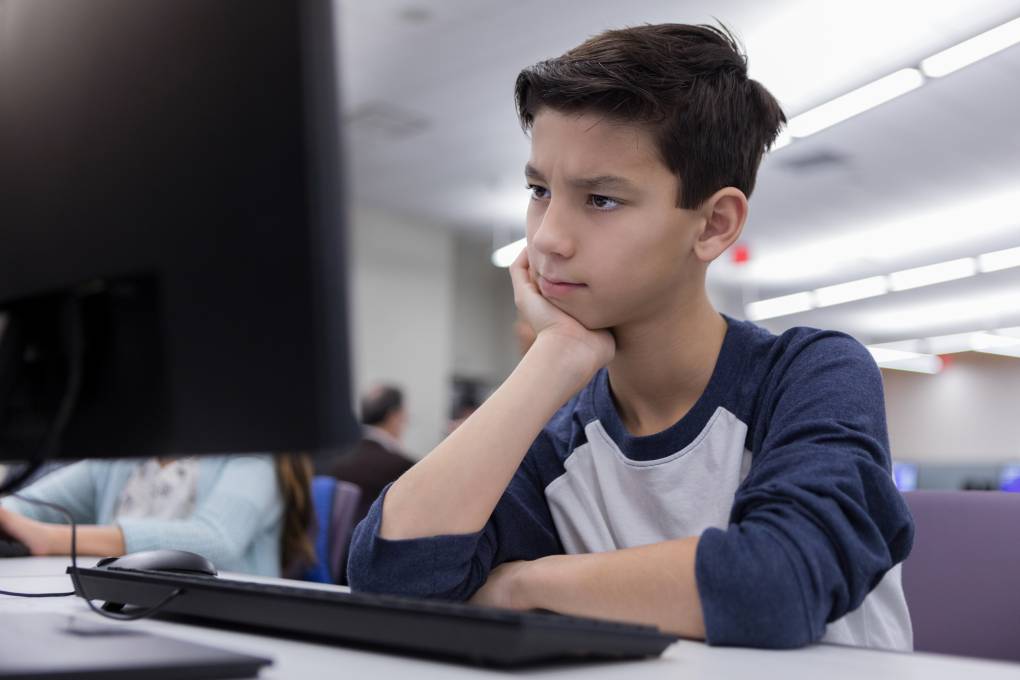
(593,320)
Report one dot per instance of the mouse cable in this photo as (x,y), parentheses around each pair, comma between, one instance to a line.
(78,588)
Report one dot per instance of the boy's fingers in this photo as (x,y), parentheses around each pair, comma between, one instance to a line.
(520,274)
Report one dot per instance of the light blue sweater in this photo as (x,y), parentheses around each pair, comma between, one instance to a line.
(236,523)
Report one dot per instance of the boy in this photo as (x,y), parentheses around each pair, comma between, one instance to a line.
(703,475)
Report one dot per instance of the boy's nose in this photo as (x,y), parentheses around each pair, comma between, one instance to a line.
(553,237)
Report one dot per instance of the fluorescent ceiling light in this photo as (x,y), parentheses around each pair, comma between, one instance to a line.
(880,285)
(915,346)
(950,344)
(982,310)
(968,342)
(912,233)
(982,341)
(970,51)
(1008,351)
(990,343)
(1002,342)
(855,102)
(884,355)
(505,256)
(779,306)
(906,361)
(853,290)
(933,273)
(1000,259)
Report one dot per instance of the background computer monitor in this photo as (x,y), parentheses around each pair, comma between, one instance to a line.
(905,476)
(1009,477)
(172,275)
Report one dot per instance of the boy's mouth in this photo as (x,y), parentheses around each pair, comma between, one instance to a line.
(553,288)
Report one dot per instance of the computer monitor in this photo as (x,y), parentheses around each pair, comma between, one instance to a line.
(1009,477)
(905,476)
(172,261)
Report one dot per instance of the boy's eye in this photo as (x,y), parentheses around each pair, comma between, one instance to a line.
(538,192)
(603,202)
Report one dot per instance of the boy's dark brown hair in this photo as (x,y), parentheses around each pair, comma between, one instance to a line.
(687,84)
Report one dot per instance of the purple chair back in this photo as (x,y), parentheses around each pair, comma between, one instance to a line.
(962,579)
(345,506)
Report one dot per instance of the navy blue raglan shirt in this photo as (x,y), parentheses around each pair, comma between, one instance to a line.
(782,467)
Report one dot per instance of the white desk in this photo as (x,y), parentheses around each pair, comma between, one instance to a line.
(684,660)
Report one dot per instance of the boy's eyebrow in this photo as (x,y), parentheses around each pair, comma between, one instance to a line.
(599,182)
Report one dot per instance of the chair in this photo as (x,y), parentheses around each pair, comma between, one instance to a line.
(334,502)
(345,506)
(962,579)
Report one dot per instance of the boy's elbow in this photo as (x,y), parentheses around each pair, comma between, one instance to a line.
(421,568)
(752,595)
(783,624)
(369,571)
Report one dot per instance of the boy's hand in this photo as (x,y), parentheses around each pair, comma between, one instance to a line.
(34,535)
(547,320)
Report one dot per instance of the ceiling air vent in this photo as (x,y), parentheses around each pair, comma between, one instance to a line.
(824,159)
(380,119)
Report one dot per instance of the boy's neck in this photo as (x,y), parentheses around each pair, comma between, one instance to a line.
(663,365)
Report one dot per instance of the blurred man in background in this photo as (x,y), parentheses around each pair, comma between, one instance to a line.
(379,458)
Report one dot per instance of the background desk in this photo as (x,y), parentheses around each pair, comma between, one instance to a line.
(684,660)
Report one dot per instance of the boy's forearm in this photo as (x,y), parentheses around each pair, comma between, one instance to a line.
(653,584)
(455,488)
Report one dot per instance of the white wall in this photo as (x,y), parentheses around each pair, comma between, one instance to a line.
(969,413)
(401,309)
(484,345)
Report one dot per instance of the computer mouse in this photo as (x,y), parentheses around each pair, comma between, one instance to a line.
(173,561)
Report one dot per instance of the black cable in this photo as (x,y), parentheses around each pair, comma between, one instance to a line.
(78,588)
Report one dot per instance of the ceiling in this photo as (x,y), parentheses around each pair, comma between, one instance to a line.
(432,135)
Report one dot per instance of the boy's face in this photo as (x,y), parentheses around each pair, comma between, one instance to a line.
(603,216)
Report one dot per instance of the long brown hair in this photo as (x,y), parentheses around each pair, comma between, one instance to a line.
(294,475)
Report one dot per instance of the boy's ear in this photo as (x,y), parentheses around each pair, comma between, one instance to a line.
(725,212)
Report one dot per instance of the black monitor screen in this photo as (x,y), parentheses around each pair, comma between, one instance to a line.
(171,228)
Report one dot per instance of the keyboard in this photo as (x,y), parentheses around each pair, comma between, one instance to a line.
(450,630)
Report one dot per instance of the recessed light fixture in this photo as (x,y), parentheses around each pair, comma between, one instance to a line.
(905,279)
(932,274)
(918,354)
(970,51)
(857,101)
(850,291)
(900,82)
(780,306)
(906,361)
(1000,259)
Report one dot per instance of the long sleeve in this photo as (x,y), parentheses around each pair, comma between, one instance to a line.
(817,522)
(240,504)
(455,566)
(72,487)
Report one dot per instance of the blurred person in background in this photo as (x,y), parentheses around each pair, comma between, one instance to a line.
(245,513)
(379,458)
